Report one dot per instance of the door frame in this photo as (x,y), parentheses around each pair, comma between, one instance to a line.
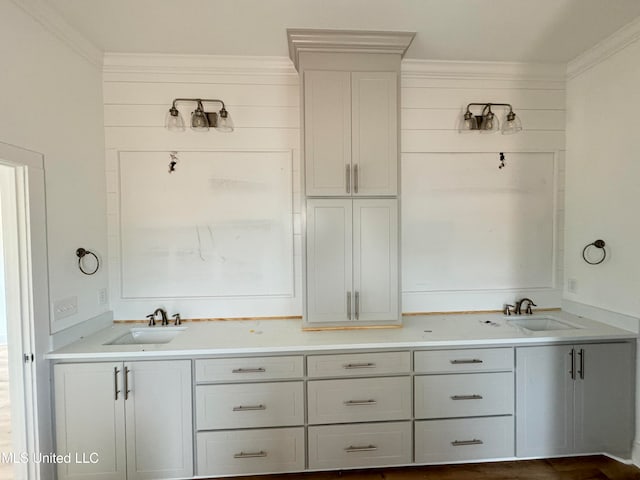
(27,286)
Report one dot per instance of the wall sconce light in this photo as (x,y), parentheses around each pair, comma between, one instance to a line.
(487,120)
(201,120)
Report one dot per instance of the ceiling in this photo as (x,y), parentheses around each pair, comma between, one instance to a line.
(495,30)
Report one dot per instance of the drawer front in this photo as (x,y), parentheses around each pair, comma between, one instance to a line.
(464,439)
(362,445)
(250,451)
(249,405)
(359,400)
(248,369)
(465,395)
(358,364)
(467,360)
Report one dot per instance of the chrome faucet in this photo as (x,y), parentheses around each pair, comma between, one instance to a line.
(163,317)
(528,310)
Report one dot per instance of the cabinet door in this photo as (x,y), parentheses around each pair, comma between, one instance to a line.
(89,408)
(327,132)
(604,398)
(375,260)
(544,405)
(374,117)
(329,260)
(158,418)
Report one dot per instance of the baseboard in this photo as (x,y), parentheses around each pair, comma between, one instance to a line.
(635,454)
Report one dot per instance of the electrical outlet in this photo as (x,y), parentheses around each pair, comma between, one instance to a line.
(65,308)
(103,297)
(572,285)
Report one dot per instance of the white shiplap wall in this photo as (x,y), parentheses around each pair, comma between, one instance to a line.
(263,96)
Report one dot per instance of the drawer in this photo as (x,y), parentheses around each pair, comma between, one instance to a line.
(362,445)
(464,395)
(248,369)
(250,451)
(358,364)
(359,400)
(464,439)
(467,360)
(247,405)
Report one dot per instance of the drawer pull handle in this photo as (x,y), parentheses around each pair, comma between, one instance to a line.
(367,448)
(355,403)
(249,408)
(261,453)
(470,360)
(462,443)
(349,366)
(466,397)
(248,370)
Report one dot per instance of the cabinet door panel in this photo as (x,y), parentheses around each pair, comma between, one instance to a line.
(604,398)
(375,132)
(375,262)
(544,405)
(90,419)
(159,423)
(327,131)
(329,257)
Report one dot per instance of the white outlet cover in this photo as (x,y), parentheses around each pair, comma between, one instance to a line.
(65,307)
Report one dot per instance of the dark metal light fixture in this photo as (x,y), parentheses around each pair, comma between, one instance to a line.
(201,120)
(487,120)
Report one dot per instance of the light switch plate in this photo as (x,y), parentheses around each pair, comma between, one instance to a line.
(65,307)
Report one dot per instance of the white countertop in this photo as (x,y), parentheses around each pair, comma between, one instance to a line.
(246,337)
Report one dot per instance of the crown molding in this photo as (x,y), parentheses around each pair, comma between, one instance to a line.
(445,69)
(196,64)
(346,41)
(55,24)
(606,48)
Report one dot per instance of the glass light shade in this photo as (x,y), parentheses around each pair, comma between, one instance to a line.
(199,121)
(468,122)
(224,122)
(174,121)
(511,124)
(489,123)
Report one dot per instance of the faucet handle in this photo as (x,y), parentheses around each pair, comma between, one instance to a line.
(152,320)
(508,309)
(529,305)
(178,320)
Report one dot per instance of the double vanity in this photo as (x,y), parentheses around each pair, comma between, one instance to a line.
(223,398)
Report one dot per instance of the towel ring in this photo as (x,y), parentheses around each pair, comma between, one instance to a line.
(81,253)
(598,244)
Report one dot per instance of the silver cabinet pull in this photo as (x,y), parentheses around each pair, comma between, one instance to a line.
(126,383)
(115,382)
(356,180)
(468,360)
(348,305)
(349,366)
(462,443)
(357,305)
(581,371)
(248,370)
(466,397)
(249,408)
(348,178)
(261,453)
(572,372)
(367,448)
(355,403)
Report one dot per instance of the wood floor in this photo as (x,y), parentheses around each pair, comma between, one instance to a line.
(576,468)
(6,470)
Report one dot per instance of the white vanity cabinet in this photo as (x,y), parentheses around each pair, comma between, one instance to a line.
(352,261)
(250,415)
(463,404)
(351,133)
(135,416)
(575,399)
(359,422)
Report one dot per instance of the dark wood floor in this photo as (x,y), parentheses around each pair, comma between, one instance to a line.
(575,468)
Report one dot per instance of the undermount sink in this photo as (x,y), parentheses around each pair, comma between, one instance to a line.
(148,335)
(540,324)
